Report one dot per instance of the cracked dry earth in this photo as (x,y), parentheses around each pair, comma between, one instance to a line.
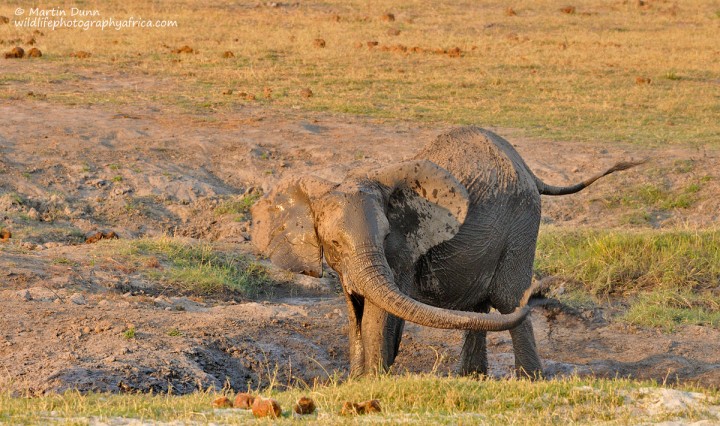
(67,306)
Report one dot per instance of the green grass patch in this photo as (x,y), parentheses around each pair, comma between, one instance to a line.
(668,309)
(625,262)
(414,399)
(198,268)
(668,275)
(237,207)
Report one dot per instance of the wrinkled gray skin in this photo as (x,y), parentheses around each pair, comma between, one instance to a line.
(438,241)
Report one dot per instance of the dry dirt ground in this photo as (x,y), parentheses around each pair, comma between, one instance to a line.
(67,171)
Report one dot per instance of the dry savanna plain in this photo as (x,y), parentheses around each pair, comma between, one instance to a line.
(130,155)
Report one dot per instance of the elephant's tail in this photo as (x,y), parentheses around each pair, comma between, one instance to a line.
(546,189)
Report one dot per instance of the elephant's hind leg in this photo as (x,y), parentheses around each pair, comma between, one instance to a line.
(473,358)
(511,280)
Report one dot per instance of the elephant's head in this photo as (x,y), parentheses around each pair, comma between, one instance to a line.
(407,208)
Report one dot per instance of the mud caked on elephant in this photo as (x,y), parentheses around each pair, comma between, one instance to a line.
(438,241)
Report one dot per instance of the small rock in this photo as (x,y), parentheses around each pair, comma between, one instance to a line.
(306,93)
(393,32)
(267,92)
(5,234)
(304,406)
(78,299)
(4,20)
(568,9)
(27,296)
(266,407)
(510,12)
(318,42)
(228,54)
(388,17)
(222,402)
(244,401)
(34,53)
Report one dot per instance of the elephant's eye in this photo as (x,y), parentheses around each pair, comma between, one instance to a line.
(335,243)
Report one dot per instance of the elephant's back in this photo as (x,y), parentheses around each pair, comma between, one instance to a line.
(484,162)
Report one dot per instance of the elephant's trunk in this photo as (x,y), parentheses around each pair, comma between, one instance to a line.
(373,278)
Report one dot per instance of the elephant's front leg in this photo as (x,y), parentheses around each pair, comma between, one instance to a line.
(355,305)
(381,335)
(473,358)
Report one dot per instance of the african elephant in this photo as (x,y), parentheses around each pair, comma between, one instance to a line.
(437,240)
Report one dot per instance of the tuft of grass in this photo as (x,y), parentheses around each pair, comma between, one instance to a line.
(198,267)
(237,207)
(624,262)
(415,399)
(129,333)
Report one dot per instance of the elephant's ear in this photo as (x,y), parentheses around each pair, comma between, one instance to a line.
(426,205)
(283,225)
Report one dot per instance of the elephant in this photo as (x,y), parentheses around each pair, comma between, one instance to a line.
(437,240)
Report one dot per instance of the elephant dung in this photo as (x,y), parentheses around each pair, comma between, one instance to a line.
(304,406)
(222,402)
(366,407)
(266,407)
(244,401)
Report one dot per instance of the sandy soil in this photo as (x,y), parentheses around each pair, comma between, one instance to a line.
(69,171)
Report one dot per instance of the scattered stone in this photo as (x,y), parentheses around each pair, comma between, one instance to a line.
(643,80)
(267,92)
(5,234)
(244,401)
(16,52)
(304,406)
(372,44)
(568,9)
(228,92)
(81,54)
(388,17)
(228,54)
(34,53)
(455,52)
(249,97)
(366,407)
(184,49)
(266,407)
(393,32)
(4,20)
(318,42)
(306,93)
(510,12)
(31,41)
(222,402)
(78,299)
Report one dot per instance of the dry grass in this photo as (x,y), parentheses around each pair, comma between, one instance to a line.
(610,71)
